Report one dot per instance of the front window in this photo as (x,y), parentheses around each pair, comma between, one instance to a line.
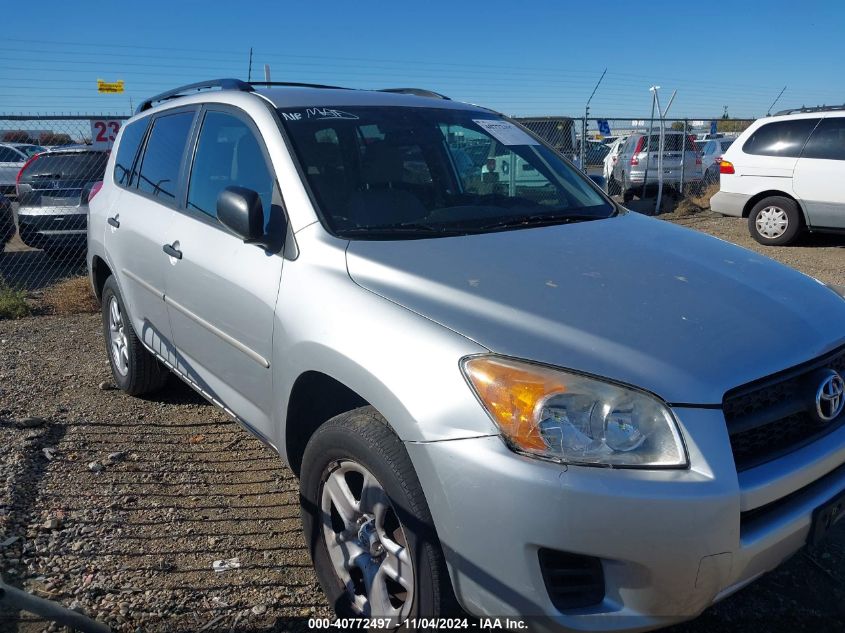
(392,172)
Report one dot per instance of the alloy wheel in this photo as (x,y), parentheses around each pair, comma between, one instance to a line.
(117,338)
(366,542)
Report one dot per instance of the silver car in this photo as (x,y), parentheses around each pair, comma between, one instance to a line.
(53,190)
(639,166)
(502,397)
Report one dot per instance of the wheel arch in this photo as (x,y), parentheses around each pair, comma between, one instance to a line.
(753,200)
(314,399)
(100,271)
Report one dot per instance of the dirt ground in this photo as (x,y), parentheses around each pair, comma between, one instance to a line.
(119,506)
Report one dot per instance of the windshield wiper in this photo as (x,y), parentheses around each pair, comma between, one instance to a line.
(541,219)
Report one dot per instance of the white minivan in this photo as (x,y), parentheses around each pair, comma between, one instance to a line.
(785,174)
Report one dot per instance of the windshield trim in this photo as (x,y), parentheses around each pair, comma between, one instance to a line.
(616,209)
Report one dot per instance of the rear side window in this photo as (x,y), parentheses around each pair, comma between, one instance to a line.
(77,166)
(159,173)
(782,138)
(132,136)
(227,155)
(827,141)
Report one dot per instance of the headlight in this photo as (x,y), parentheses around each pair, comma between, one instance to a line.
(574,419)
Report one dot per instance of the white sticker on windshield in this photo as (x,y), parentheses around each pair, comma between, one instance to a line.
(505,132)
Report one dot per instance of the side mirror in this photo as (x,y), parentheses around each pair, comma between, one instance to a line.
(240,210)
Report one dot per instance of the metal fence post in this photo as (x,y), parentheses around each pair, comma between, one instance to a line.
(684,157)
(584,145)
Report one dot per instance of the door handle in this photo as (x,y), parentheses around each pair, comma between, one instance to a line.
(114,222)
(173,252)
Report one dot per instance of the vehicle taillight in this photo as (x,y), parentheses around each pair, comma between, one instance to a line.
(726,167)
(23,169)
(697,158)
(95,189)
(637,150)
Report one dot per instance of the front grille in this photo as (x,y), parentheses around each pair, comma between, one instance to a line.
(572,580)
(771,417)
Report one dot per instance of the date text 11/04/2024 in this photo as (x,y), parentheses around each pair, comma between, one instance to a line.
(482,624)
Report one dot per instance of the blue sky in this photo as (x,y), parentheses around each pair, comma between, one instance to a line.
(520,58)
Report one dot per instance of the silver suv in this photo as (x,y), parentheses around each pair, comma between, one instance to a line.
(502,396)
(639,164)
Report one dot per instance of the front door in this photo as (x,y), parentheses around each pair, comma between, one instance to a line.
(221,293)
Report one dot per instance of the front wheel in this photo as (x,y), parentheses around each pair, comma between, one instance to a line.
(133,368)
(775,221)
(367,523)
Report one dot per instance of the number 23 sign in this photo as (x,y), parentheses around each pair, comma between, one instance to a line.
(103,132)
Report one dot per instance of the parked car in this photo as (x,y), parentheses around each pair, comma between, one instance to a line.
(681,160)
(513,401)
(7,221)
(711,157)
(12,158)
(785,174)
(610,162)
(53,189)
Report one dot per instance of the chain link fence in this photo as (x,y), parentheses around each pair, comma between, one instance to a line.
(49,166)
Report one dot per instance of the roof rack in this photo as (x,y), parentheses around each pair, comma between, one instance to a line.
(296,84)
(821,108)
(419,92)
(245,86)
(224,84)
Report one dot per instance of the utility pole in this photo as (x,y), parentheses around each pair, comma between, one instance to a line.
(769,111)
(249,70)
(584,127)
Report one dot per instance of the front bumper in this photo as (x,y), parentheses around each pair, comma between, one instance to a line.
(671,542)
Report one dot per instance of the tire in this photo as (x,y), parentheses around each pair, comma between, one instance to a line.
(613,187)
(775,221)
(140,372)
(340,456)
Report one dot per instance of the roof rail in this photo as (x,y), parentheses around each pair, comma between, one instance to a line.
(419,92)
(296,84)
(224,84)
(821,108)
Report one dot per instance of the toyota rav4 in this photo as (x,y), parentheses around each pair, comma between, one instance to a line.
(502,395)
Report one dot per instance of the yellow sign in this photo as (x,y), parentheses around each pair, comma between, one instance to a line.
(109,86)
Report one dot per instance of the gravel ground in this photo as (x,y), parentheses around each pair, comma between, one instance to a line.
(118,506)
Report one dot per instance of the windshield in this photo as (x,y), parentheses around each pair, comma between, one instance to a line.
(394,172)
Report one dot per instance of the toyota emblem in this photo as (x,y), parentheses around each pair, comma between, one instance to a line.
(830,397)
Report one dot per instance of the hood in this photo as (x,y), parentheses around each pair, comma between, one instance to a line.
(630,298)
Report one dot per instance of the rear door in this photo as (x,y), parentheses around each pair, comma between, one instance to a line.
(141,218)
(772,150)
(221,293)
(820,173)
